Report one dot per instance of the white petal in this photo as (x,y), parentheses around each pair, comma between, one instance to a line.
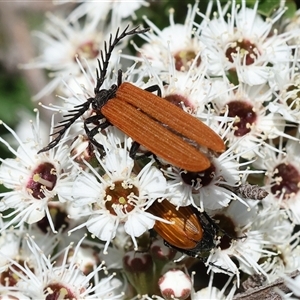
(102,226)
(138,223)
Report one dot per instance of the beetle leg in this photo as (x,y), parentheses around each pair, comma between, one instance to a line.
(119,77)
(96,129)
(154,88)
(133,150)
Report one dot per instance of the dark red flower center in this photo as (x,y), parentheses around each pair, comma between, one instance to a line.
(121,195)
(184,60)
(287,179)
(293,101)
(178,100)
(199,179)
(229,232)
(57,291)
(58,216)
(10,276)
(246,50)
(244,114)
(89,50)
(43,177)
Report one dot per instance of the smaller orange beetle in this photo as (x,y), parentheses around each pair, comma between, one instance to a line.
(191,231)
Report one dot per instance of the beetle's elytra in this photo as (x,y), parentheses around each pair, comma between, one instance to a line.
(191,232)
(151,121)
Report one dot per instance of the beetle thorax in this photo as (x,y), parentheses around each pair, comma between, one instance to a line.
(103,96)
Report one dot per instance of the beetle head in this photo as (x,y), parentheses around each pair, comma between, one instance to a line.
(102,96)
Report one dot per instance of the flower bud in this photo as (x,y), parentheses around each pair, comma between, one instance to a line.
(139,269)
(175,284)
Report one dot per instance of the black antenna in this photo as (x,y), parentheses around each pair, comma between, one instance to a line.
(79,110)
(65,124)
(105,57)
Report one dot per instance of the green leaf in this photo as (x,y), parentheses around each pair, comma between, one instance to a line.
(14,97)
(291,9)
(266,8)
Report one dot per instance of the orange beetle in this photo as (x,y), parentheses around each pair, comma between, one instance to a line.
(151,121)
(191,232)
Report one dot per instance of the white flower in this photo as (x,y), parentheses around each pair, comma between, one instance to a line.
(247,244)
(253,122)
(14,248)
(287,90)
(175,46)
(64,42)
(8,294)
(96,9)
(211,189)
(286,255)
(34,179)
(109,288)
(10,241)
(283,177)
(211,292)
(119,196)
(44,278)
(280,244)
(244,43)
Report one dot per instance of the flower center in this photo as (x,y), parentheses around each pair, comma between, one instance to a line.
(198,180)
(44,177)
(227,225)
(247,51)
(58,291)
(121,195)
(178,100)
(184,60)
(287,180)
(293,101)
(244,114)
(58,216)
(88,49)
(10,276)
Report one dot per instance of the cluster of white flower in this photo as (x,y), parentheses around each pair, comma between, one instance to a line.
(74,206)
